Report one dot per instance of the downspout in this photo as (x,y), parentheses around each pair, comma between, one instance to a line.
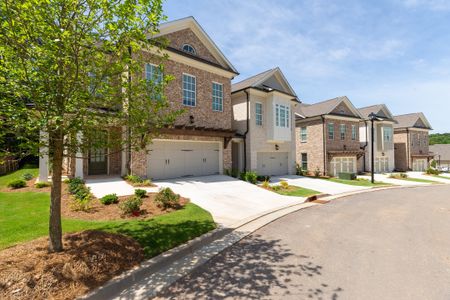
(128,115)
(324,146)
(408,147)
(246,131)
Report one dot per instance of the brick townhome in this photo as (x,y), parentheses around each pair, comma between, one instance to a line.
(199,142)
(263,117)
(411,142)
(327,136)
(441,154)
(383,139)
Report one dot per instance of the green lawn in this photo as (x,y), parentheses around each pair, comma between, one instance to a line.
(297,191)
(418,180)
(359,182)
(442,177)
(5,179)
(24,217)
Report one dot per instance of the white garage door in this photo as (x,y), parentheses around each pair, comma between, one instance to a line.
(342,164)
(171,159)
(381,164)
(420,165)
(272,163)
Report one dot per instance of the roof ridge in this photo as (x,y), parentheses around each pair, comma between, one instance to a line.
(253,76)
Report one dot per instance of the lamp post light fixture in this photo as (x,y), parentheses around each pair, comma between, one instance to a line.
(373,117)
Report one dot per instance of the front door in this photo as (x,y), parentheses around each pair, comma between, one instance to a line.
(98,157)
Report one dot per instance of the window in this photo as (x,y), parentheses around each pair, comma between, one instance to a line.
(303,134)
(217,96)
(354,133)
(387,134)
(343,130)
(282,115)
(258,114)
(189,97)
(304,161)
(153,72)
(330,131)
(189,49)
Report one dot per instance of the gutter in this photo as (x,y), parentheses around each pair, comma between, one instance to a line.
(246,131)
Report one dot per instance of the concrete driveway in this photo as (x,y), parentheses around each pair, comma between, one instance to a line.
(390,244)
(229,200)
(420,175)
(320,185)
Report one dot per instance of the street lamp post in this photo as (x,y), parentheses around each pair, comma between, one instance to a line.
(372,117)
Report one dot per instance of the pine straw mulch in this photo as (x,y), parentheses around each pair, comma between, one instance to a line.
(29,188)
(28,271)
(101,212)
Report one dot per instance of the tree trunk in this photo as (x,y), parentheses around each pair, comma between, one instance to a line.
(55,228)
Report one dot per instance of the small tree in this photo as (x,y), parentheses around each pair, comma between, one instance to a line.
(69,68)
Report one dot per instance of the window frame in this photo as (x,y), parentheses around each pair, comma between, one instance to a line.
(342,131)
(331,133)
(215,96)
(354,133)
(303,162)
(193,52)
(304,134)
(282,115)
(183,90)
(258,114)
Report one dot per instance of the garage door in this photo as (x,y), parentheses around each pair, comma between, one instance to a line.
(420,165)
(381,164)
(272,163)
(342,164)
(171,159)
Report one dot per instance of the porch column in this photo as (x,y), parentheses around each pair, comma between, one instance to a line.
(79,158)
(43,157)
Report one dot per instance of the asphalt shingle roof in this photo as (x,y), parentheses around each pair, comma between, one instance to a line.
(408,120)
(441,149)
(318,109)
(249,82)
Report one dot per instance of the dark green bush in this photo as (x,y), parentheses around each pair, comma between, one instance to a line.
(251,177)
(17,184)
(140,193)
(109,199)
(166,198)
(263,178)
(131,206)
(27,176)
(299,171)
(432,171)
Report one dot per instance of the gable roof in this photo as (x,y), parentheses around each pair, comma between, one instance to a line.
(325,108)
(272,79)
(443,150)
(380,110)
(412,121)
(191,23)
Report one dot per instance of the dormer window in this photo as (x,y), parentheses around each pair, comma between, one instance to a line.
(189,49)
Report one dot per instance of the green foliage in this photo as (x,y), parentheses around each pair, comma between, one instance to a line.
(109,199)
(17,184)
(166,198)
(284,184)
(131,206)
(251,177)
(137,180)
(398,176)
(82,194)
(263,178)
(27,176)
(140,193)
(433,164)
(439,138)
(42,184)
(298,170)
(432,171)
(317,172)
(5,179)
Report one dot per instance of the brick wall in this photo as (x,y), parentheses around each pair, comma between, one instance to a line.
(314,145)
(347,144)
(407,145)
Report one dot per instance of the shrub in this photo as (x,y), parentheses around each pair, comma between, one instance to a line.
(317,172)
(298,170)
(265,184)
(166,198)
(131,206)
(81,193)
(140,193)
(399,175)
(27,176)
(276,187)
(109,199)
(234,173)
(133,178)
(251,177)
(433,164)
(42,184)
(432,171)
(82,204)
(284,184)
(263,178)
(137,180)
(75,184)
(17,184)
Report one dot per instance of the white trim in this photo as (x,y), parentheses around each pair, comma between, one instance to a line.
(262,114)
(212,96)
(182,89)
(189,45)
(277,71)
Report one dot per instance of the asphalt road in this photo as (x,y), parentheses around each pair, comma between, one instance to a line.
(384,245)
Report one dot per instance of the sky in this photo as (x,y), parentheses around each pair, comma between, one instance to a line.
(395,52)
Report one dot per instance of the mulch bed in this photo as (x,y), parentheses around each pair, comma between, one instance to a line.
(101,212)
(29,188)
(28,271)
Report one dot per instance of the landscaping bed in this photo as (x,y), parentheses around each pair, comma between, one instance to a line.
(91,258)
(288,190)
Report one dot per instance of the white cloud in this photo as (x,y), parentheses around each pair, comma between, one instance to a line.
(436,5)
